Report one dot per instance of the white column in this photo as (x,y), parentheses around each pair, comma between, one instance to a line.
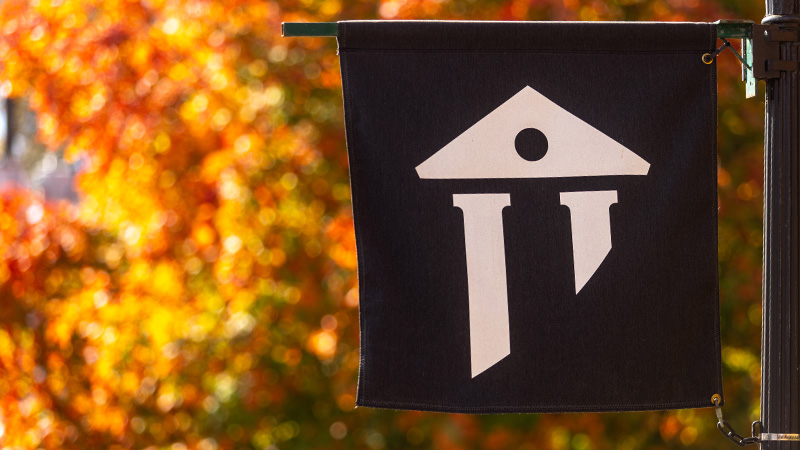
(591,230)
(486,275)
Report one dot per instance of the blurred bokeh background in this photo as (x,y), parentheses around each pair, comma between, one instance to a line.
(177,261)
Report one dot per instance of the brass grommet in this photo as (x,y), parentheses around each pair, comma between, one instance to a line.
(715,399)
(707,59)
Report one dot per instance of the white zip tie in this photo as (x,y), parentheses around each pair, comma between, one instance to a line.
(780,437)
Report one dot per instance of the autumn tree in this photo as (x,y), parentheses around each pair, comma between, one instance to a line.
(202,292)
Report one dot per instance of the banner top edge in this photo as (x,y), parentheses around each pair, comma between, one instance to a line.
(553,36)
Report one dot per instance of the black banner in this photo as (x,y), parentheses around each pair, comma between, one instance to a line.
(535,213)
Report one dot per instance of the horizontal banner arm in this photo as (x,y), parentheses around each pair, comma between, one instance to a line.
(315,29)
(731,29)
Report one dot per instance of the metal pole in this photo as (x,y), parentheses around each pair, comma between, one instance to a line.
(9,128)
(780,340)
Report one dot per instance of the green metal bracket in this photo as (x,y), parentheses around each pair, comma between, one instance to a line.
(734,29)
(317,29)
(726,29)
(741,29)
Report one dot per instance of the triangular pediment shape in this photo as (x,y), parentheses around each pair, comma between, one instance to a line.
(575,148)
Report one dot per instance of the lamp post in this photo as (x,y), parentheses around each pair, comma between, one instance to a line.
(780,348)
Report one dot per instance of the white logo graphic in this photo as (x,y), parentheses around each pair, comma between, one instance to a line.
(489,149)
